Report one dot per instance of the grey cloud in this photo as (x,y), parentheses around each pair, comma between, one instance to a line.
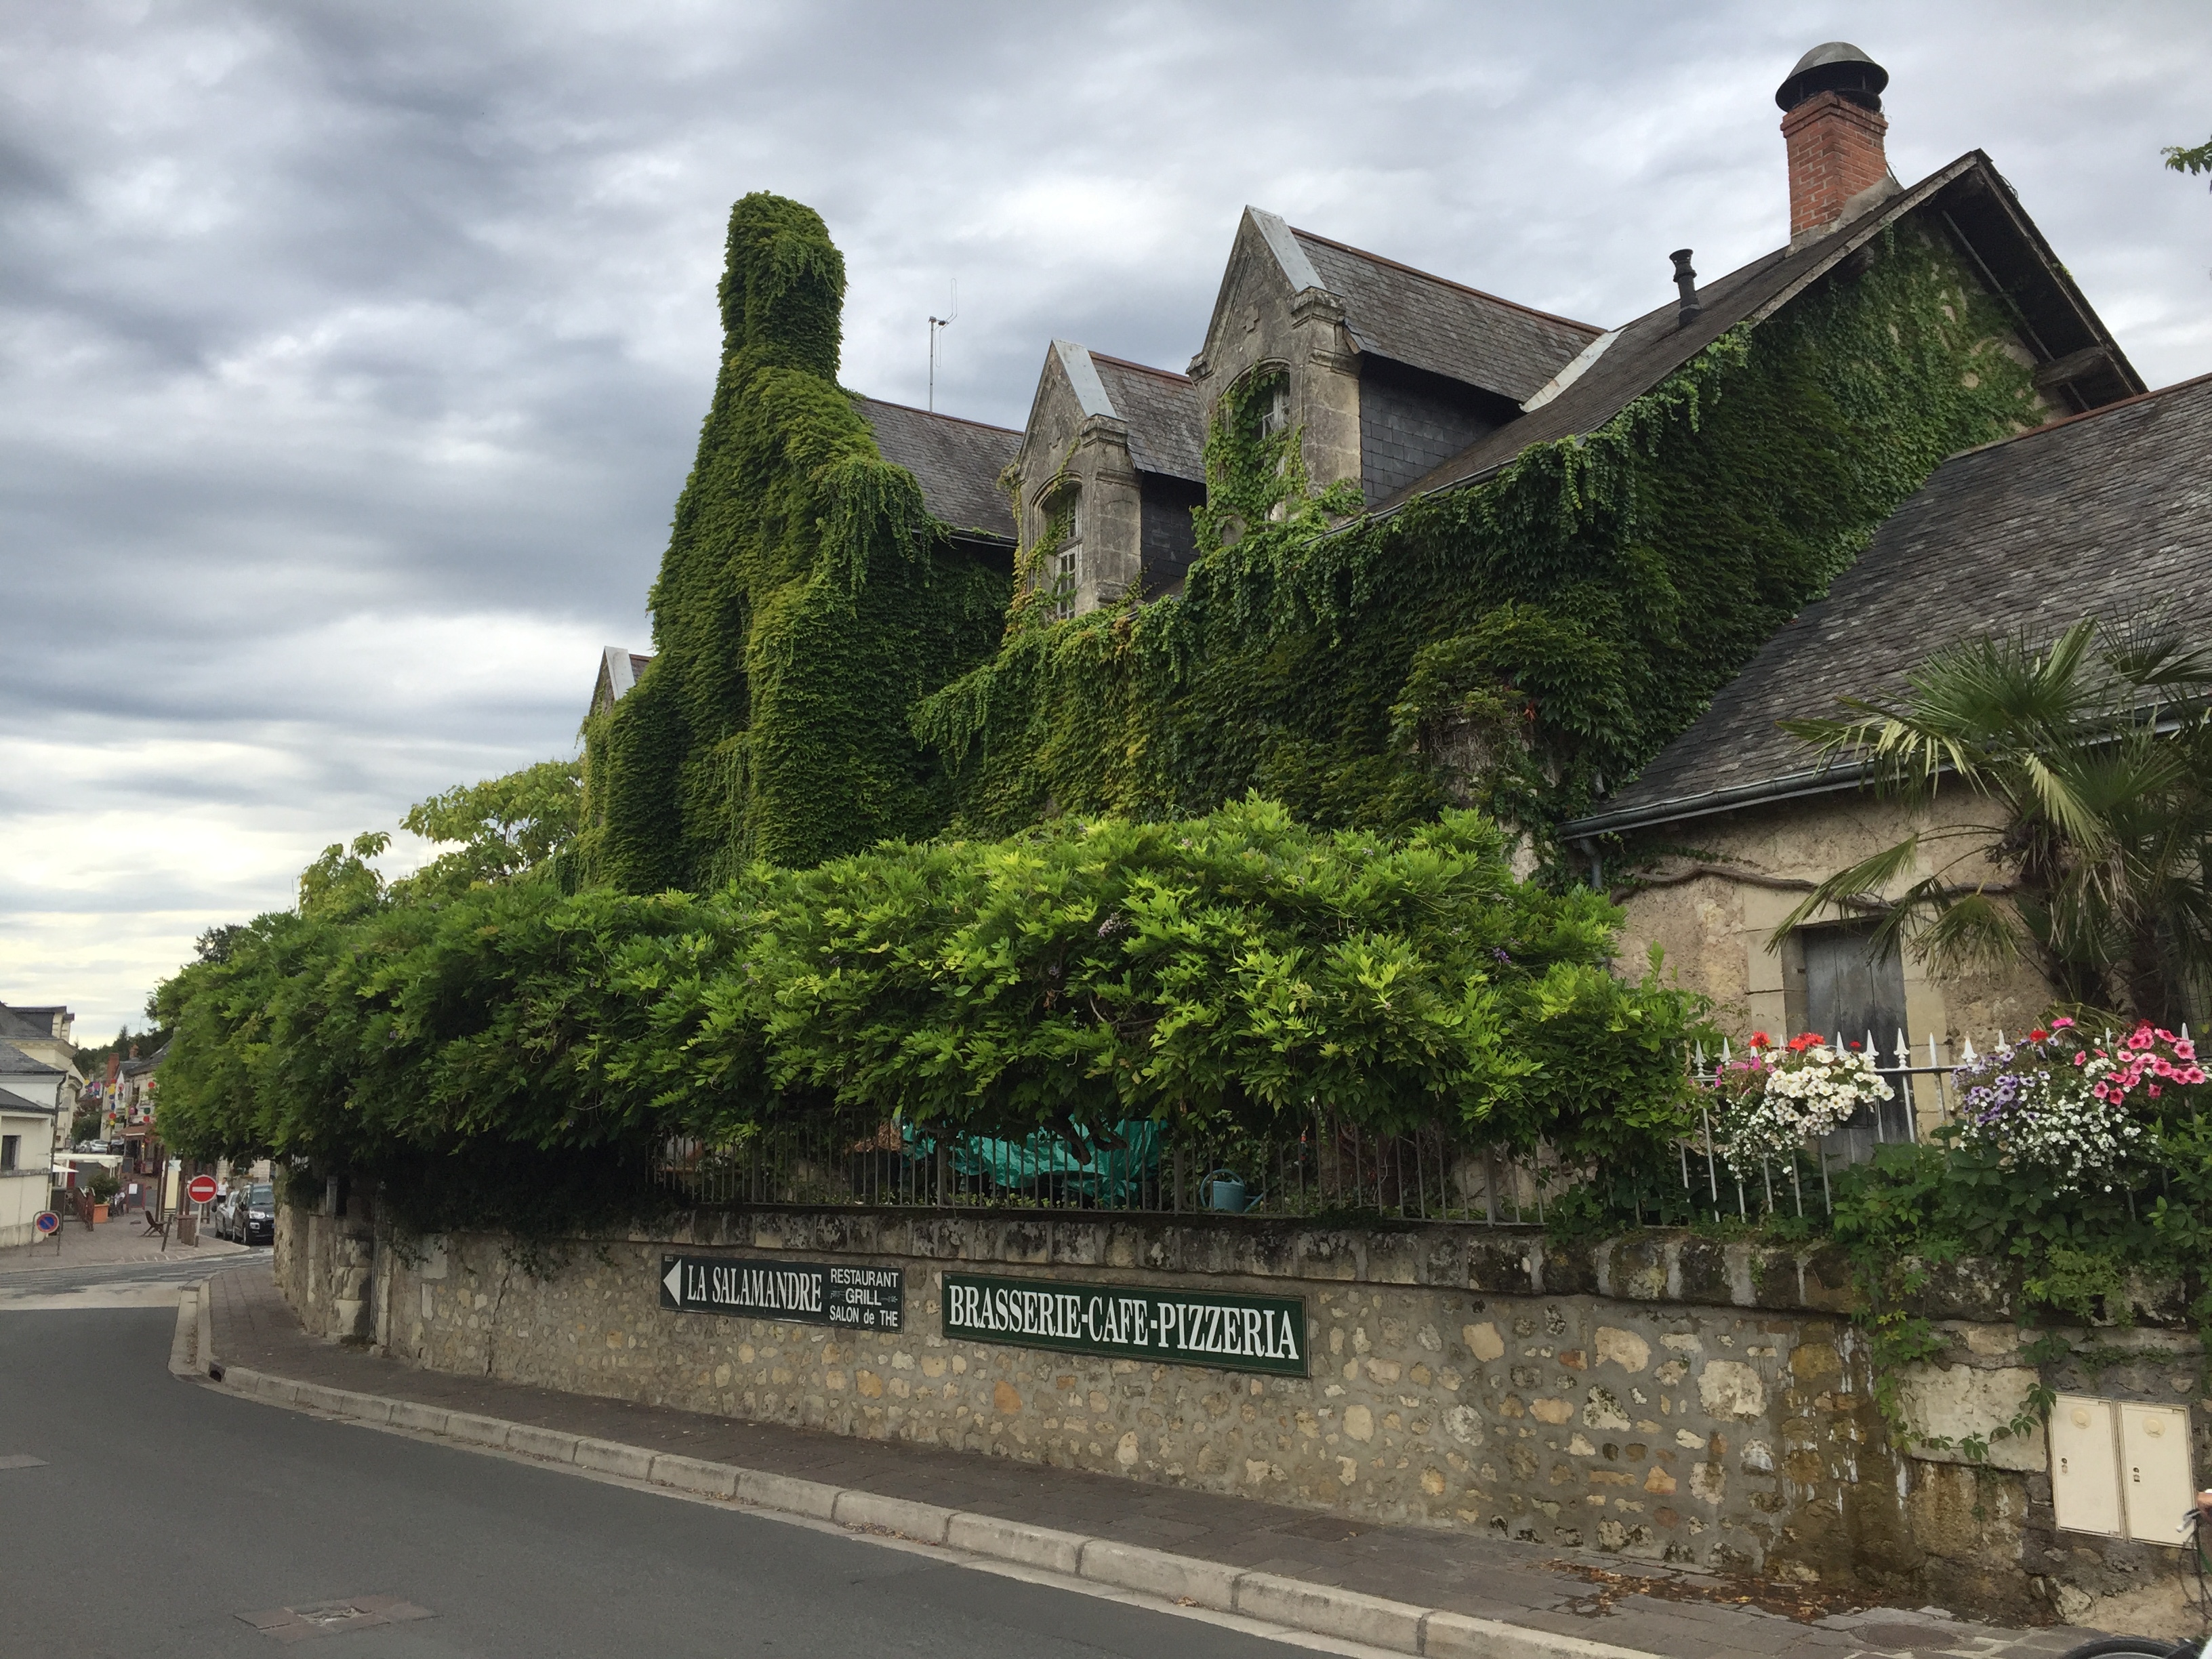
(323,325)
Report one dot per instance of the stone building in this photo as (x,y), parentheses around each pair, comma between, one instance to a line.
(1411,384)
(1732,823)
(1110,467)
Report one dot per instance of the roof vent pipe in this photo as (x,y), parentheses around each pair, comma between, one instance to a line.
(1686,280)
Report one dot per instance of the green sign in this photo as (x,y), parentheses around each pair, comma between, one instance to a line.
(1131,1322)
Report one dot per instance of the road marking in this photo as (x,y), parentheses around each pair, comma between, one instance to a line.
(145,1294)
(21,1461)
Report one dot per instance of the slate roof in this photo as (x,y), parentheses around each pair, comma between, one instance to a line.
(12,1101)
(1445,327)
(1969,197)
(36,1023)
(2107,512)
(14,1062)
(957,462)
(1165,413)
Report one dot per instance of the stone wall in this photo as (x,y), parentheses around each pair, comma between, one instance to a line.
(1666,1398)
(1714,925)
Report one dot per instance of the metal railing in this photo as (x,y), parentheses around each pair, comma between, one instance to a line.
(1321,1168)
(1926,1098)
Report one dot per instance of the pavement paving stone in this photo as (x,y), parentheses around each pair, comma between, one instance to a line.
(1482,1577)
(120,1239)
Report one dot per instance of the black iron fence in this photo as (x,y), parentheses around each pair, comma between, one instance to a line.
(1318,1167)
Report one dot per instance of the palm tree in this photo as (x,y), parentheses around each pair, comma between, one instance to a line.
(2090,759)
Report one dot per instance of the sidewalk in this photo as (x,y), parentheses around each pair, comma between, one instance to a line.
(1653,1608)
(121,1239)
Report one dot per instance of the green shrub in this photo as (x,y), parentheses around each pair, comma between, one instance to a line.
(1239,969)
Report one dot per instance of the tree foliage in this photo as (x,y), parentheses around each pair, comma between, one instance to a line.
(2192,158)
(1238,968)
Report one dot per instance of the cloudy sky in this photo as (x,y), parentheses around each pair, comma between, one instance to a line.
(351,356)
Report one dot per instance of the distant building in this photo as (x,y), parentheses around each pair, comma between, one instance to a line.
(44,1034)
(128,1113)
(35,1099)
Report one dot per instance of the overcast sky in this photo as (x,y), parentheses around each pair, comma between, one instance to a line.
(351,356)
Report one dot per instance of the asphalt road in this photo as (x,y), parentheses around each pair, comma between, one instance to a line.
(160,1511)
(64,1276)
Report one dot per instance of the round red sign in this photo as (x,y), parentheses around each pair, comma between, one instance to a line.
(201,1190)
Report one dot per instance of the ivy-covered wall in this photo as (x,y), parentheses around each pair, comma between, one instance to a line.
(1515,644)
(806,603)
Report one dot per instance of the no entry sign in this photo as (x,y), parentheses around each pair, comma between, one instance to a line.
(201,1190)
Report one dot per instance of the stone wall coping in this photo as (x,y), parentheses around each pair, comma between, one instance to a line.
(1657,1265)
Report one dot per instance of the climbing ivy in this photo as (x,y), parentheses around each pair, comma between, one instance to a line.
(805,602)
(1515,644)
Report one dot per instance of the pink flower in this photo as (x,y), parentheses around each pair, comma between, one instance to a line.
(2061,1024)
(2080,1059)
(2165,1036)
(2141,1037)
(2163,1066)
(2194,1074)
(2154,1091)
(2185,1048)
(2100,1092)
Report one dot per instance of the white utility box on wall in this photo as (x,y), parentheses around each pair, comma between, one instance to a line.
(2085,1466)
(2155,1473)
(2120,1468)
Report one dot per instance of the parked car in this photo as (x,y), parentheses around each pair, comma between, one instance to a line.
(254,1213)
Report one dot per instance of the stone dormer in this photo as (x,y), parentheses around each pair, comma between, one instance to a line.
(1386,371)
(1111,465)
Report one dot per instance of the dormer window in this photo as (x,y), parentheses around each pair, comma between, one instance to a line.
(1066,572)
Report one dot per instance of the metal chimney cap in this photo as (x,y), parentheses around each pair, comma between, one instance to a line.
(1837,66)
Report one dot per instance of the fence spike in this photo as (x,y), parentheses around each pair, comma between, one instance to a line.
(1904,1050)
(1968,1046)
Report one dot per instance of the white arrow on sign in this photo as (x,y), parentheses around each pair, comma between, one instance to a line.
(674,1280)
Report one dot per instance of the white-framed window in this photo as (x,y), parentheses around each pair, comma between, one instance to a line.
(1276,418)
(1066,573)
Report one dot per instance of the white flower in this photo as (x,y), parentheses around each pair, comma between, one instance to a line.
(1806,1093)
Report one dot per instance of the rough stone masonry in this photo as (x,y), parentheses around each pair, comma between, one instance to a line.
(1668,1397)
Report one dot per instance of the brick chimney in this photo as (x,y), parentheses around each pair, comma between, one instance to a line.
(1833,123)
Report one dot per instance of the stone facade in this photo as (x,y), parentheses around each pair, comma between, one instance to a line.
(1272,315)
(1668,1397)
(1713,904)
(1093,461)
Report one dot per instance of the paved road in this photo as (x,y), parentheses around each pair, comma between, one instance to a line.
(183,1269)
(296,1511)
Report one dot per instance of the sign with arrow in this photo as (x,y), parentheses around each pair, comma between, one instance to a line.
(852,1296)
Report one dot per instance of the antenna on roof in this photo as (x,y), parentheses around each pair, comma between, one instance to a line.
(937,324)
